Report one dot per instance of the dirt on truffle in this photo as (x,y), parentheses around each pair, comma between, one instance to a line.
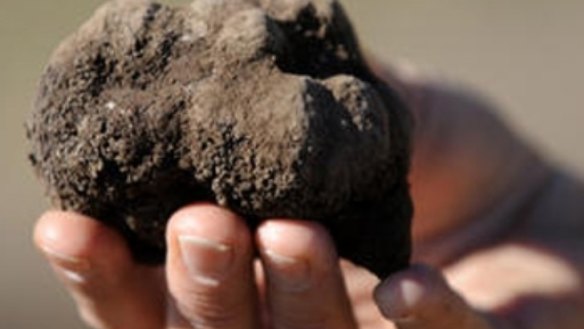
(265,107)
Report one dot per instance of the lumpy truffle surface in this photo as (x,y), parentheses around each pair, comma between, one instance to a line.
(265,107)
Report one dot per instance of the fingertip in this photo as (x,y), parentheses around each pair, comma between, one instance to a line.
(295,238)
(420,297)
(65,233)
(96,267)
(208,224)
(405,294)
(206,219)
(206,243)
(47,227)
(297,255)
(76,242)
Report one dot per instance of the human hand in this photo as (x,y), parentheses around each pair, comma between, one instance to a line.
(458,142)
(303,286)
(208,280)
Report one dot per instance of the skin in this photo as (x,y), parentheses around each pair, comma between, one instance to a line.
(498,229)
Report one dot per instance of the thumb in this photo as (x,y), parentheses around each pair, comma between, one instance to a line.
(420,298)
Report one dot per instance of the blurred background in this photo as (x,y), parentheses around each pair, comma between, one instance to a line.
(525,55)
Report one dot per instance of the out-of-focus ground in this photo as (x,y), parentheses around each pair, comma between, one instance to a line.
(526,55)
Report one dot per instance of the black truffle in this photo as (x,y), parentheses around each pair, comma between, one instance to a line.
(264,107)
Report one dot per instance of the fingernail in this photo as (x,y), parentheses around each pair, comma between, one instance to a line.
(287,273)
(397,299)
(206,261)
(411,292)
(70,268)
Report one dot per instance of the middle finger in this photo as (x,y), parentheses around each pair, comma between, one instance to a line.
(209,270)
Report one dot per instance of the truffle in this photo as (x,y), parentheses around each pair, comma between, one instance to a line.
(265,107)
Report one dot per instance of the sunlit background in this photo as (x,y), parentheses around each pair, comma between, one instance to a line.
(526,55)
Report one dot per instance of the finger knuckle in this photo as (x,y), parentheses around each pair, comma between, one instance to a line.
(203,311)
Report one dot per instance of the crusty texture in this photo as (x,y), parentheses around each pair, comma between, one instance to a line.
(265,107)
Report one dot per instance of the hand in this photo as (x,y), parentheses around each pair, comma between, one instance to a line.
(210,277)
(458,141)
(208,280)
